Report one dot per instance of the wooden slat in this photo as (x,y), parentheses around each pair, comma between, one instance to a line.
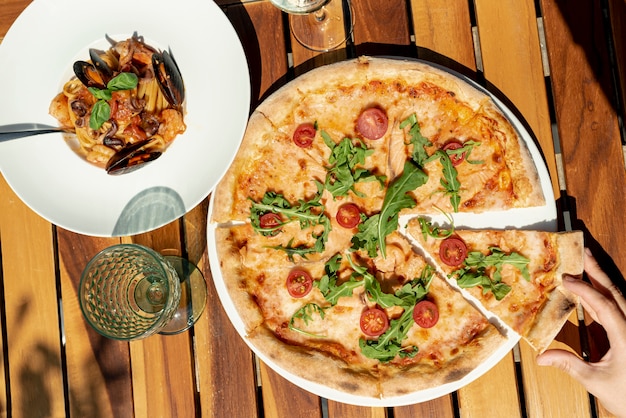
(221,356)
(283,399)
(617,9)
(437,408)
(476,399)
(98,368)
(162,366)
(589,131)
(342,410)
(372,38)
(260,29)
(511,57)
(443,33)
(32,321)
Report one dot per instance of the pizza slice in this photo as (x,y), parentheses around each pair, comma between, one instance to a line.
(368,320)
(268,163)
(514,274)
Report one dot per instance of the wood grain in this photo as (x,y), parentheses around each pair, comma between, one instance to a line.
(224,363)
(443,33)
(98,368)
(588,130)
(261,31)
(389,39)
(30,301)
(162,365)
(441,407)
(284,399)
(477,400)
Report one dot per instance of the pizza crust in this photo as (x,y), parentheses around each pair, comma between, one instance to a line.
(399,382)
(561,301)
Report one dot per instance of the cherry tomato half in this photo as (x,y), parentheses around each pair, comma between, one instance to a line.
(372,123)
(299,283)
(304,134)
(348,215)
(269,220)
(454,157)
(425,314)
(374,322)
(453,251)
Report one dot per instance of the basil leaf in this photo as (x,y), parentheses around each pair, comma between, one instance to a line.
(100,113)
(123,81)
(100,94)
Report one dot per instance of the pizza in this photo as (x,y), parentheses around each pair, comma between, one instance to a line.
(514,274)
(325,241)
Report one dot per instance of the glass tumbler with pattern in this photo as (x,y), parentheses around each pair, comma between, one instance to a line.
(128,292)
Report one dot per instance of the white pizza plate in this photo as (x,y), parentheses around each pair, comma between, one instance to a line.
(539,218)
(37,56)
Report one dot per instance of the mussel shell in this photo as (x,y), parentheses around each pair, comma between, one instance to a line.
(89,75)
(169,78)
(131,158)
(101,65)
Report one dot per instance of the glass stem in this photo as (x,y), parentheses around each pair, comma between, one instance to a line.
(320,14)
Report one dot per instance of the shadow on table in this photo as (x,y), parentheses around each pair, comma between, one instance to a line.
(149,209)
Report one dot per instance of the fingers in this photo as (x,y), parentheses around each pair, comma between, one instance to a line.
(568,362)
(600,301)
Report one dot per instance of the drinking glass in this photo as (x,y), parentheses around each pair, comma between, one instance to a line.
(128,292)
(319,25)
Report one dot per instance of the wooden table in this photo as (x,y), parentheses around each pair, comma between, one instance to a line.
(558,64)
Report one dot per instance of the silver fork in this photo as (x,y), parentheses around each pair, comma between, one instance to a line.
(21,130)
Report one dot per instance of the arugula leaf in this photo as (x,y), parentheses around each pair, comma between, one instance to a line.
(373,231)
(467,148)
(389,344)
(449,181)
(328,283)
(418,141)
(346,161)
(305,314)
(475,272)
(430,230)
(308,213)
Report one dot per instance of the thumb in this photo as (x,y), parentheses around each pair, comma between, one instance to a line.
(566,361)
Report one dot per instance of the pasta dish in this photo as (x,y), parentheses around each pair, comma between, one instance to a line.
(124,104)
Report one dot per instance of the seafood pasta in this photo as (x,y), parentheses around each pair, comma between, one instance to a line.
(326,280)
(124,104)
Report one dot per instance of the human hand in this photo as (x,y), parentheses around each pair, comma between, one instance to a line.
(605,379)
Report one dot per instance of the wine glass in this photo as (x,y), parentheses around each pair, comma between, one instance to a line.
(129,292)
(319,25)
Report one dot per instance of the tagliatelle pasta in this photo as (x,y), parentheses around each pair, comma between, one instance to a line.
(121,98)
